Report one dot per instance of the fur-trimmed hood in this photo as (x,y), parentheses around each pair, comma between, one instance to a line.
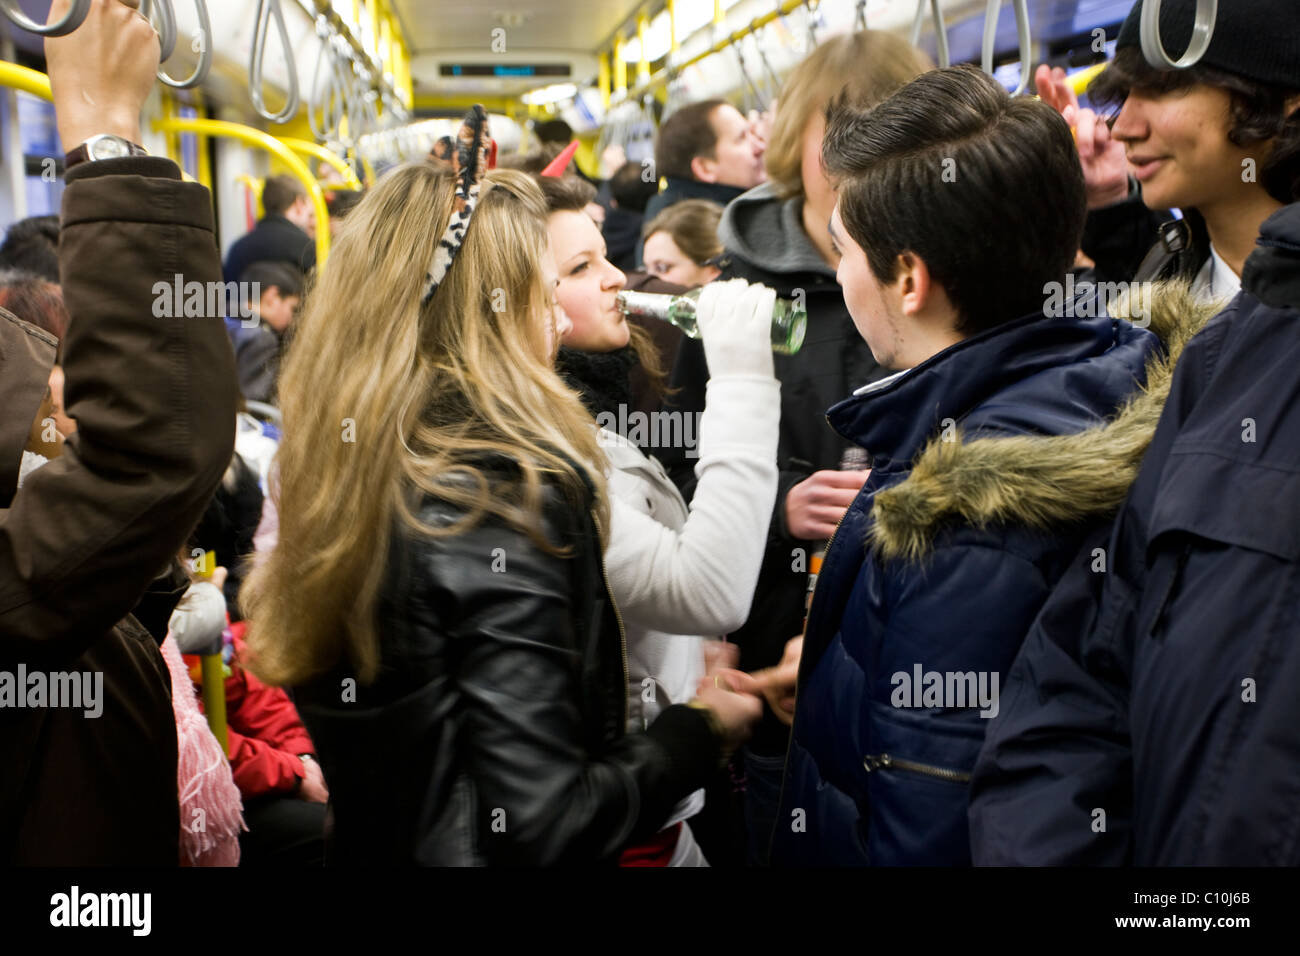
(1035,480)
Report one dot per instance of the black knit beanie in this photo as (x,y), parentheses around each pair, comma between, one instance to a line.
(1254,39)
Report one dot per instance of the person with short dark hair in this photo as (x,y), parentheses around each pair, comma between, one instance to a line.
(32,244)
(285,233)
(1219,140)
(706,150)
(630,188)
(274,291)
(1151,717)
(945,277)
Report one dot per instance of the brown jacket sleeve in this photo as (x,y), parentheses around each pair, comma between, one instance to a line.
(154,401)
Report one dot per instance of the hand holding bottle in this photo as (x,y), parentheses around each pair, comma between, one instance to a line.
(736,327)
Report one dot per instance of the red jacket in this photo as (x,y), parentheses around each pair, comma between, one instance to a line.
(264,735)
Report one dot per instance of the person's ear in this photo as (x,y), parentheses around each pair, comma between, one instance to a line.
(704,169)
(712,272)
(913,283)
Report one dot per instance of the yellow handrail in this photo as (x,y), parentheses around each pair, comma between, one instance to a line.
(29,81)
(256,137)
(307,147)
(662,77)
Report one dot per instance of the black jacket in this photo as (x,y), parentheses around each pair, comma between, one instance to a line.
(1162,692)
(275,239)
(765,242)
(495,731)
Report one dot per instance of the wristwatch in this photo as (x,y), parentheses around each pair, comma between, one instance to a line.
(104,146)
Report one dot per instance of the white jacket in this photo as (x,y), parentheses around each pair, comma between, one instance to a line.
(679,576)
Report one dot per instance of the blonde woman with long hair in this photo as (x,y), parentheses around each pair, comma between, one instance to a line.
(436,594)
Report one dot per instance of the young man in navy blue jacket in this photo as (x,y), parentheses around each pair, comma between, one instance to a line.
(959,211)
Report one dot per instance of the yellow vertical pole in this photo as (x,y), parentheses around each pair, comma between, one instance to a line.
(604,80)
(643,65)
(672,27)
(173,140)
(717,13)
(620,68)
(205,158)
(214,698)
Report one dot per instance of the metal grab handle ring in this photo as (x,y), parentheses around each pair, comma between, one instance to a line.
(268,10)
(991,39)
(315,102)
(205,53)
(940,31)
(74,18)
(1207,13)
(771,80)
(166,25)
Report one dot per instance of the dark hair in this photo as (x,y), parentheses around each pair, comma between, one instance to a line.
(566,193)
(629,188)
(279,193)
(273,274)
(987,190)
(32,245)
(342,201)
(686,134)
(34,299)
(693,226)
(554,131)
(1259,111)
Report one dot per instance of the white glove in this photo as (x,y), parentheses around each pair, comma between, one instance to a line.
(199,619)
(736,327)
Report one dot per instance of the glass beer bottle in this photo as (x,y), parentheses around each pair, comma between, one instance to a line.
(789,319)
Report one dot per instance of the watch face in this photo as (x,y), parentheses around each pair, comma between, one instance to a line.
(109,147)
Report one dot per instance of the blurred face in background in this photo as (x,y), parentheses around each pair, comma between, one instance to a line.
(278,310)
(664,259)
(737,154)
(588,284)
(303,215)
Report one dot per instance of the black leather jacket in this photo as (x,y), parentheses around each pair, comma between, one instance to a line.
(495,731)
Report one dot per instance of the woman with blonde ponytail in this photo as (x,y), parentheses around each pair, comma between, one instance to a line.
(436,594)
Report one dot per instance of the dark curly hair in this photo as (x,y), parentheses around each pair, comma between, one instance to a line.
(1259,111)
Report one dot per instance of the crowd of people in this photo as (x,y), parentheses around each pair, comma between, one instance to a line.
(1037,454)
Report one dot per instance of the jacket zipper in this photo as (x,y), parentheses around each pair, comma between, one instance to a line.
(884,761)
(618,616)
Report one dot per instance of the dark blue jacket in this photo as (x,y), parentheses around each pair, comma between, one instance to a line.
(918,580)
(1152,716)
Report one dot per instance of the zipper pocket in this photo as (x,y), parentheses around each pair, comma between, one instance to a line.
(874,762)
